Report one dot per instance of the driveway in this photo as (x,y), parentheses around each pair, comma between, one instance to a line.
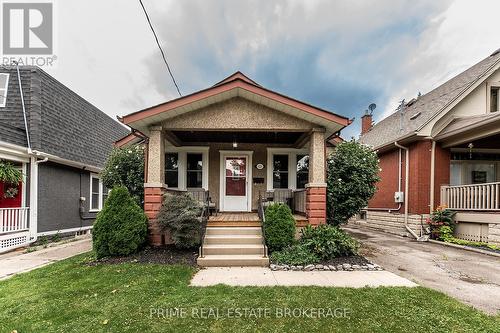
(17,262)
(470,277)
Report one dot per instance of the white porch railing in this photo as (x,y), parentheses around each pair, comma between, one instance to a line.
(13,219)
(477,197)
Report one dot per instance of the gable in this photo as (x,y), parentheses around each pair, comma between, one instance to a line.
(237,113)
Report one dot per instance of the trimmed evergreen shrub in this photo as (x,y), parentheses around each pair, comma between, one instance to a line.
(327,241)
(120,227)
(279,227)
(294,255)
(180,216)
(352,177)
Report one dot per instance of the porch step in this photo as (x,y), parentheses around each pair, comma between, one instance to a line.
(225,249)
(233,224)
(233,239)
(256,231)
(233,260)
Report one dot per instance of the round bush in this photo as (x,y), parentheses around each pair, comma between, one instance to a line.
(180,215)
(279,227)
(121,226)
(294,255)
(327,241)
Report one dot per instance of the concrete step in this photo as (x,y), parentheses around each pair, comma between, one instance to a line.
(225,249)
(257,231)
(233,239)
(233,260)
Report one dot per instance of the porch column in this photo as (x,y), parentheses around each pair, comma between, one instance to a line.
(316,188)
(154,188)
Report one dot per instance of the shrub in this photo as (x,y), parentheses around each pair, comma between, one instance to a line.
(279,227)
(9,173)
(352,176)
(180,216)
(328,241)
(442,217)
(120,227)
(125,167)
(294,255)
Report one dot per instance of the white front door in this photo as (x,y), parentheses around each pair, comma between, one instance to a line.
(235,183)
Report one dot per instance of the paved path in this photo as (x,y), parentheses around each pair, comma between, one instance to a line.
(15,262)
(472,278)
(258,276)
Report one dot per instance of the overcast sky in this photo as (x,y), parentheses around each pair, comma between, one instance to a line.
(338,55)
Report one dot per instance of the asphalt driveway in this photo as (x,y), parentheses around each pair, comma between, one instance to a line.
(470,277)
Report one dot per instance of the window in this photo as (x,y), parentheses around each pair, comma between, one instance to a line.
(172,169)
(494,102)
(4,84)
(302,170)
(194,171)
(98,193)
(280,171)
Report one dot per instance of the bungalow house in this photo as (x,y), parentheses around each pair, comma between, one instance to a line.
(60,142)
(441,148)
(239,144)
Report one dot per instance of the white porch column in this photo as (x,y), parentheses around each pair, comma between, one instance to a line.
(156,158)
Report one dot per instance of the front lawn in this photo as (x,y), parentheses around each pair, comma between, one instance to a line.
(71,296)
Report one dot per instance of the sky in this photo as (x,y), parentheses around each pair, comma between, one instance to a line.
(337,55)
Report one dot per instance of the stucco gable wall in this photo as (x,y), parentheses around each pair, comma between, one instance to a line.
(475,103)
(237,113)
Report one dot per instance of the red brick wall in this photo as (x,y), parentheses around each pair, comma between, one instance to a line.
(316,205)
(153,198)
(388,184)
(441,172)
(420,175)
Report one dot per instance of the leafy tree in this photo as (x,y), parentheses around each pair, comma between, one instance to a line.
(180,215)
(352,176)
(121,226)
(125,167)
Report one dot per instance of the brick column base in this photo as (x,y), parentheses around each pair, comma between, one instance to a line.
(153,198)
(316,205)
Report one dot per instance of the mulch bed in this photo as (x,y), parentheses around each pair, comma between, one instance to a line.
(155,255)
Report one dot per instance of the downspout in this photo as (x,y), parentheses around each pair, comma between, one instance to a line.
(433,165)
(24,108)
(407,186)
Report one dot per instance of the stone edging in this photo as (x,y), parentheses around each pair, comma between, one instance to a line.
(319,267)
(464,247)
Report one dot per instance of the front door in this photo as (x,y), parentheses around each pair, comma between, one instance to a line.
(235,183)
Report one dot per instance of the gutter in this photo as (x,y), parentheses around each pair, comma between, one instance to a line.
(407,188)
(432,185)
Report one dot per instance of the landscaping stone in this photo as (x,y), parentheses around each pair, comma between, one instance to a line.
(309,268)
(320,267)
(332,268)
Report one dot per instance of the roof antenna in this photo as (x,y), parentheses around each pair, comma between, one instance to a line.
(401,109)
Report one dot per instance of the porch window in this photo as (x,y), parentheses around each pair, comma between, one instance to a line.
(280,171)
(302,170)
(4,84)
(194,170)
(494,99)
(172,169)
(98,193)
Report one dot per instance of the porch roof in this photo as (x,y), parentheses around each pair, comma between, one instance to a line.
(236,85)
(466,129)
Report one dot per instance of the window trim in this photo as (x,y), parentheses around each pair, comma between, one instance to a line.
(490,86)
(5,89)
(292,165)
(182,165)
(101,190)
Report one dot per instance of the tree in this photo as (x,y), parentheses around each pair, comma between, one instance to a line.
(120,227)
(352,176)
(125,167)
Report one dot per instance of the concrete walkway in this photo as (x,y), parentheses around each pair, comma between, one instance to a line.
(17,262)
(472,278)
(258,276)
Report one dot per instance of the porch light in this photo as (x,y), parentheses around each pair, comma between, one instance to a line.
(235,144)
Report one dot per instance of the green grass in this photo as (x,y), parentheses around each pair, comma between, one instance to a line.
(71,297)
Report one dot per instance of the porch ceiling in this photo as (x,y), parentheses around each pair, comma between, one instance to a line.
(285,138)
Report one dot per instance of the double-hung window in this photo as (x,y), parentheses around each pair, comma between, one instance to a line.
(194,172)
(4,84)
(494,99)
(280,171)
(302,170)
(98,193)
(172,169)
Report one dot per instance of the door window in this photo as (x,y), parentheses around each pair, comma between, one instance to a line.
(236,176)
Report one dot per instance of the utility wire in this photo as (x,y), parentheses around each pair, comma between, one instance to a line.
(159,46)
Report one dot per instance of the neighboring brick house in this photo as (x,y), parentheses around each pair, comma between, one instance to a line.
(69,140)
(441,148)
